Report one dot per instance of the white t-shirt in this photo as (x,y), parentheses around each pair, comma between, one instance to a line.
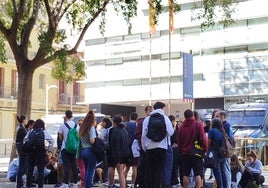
(64,130)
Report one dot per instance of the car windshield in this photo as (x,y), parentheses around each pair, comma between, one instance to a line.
(52,128)
(250,118)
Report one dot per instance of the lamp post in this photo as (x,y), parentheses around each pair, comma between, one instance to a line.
(47,88)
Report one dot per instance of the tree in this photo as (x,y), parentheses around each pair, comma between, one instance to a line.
(21,18)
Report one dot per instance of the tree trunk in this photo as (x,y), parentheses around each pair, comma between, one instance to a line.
(24,99)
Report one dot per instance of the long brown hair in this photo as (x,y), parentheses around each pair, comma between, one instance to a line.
(88,122)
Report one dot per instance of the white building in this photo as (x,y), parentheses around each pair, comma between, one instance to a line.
(230,64)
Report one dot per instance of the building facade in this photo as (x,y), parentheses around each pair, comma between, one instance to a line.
(59,97)
(229,64)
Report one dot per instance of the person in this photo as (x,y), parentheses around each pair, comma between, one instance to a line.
(51,165)
(141,169)
(68,158)
(166,177)
(38,157)
(222,172)
(119,144)
(130,127)
(175,162)
(236,171)
(253,171)
(207,124)
(190,129)
(155,151)
(59,163)
(80,162)
(87,135)
(110,159)
(29,125)
(104,128)
(20,134)
(226,125)
(13,170)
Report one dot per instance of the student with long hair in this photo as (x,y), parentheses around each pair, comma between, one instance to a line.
(253,170)
(87,135)
(21,133)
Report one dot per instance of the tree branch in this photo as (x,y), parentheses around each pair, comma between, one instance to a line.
(102,8)
(3,29)
(29,26)
(49,15)
(66,8)
(17,16)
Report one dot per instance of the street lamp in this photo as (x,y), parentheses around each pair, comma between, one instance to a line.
(47,88)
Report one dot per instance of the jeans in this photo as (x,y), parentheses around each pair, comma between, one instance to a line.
(222,173)
(21,169)
(175,167)
(90,161)
(156,162)
(168,167)
(238,178)
(69,159)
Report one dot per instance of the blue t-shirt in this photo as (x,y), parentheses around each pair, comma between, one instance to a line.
(216,136)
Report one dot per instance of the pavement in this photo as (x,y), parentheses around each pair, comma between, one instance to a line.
(5,183)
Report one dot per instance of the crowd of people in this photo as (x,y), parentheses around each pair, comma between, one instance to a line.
(168,162)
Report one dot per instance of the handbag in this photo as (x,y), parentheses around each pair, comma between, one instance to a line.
(26,147)
(197,148)
(210,159)
(135,148)
(98,149)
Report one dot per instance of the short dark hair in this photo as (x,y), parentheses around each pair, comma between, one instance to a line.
(159,105)
(133,116)
(188,114)
(21,118)
(148,108)
(39,124)
(171,118)
(223,113)
(216,123)
(117,119)
(68,114)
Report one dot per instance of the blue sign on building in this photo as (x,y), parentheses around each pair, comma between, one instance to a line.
(187,77)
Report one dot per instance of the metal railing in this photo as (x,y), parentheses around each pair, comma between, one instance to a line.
(5,147)
(8,92)
(259,145)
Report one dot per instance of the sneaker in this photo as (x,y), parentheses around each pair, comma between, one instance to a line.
(75,185)
(64,185)
(57,185)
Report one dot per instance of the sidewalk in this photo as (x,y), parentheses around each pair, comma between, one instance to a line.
(5,183)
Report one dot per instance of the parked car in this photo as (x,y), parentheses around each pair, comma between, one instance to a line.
(54,121)
(249,122)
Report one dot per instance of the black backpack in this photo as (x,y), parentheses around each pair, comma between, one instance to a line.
(37,140)
(99,149)
(156,127)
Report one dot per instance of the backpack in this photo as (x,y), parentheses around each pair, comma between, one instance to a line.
(36,140)
(156,127)
(71,143)
(227,147)
(99,149)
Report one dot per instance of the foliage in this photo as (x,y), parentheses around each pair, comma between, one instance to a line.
(211,12)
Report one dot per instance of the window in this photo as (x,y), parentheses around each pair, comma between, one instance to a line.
(1,82)
(41,81)
(14,84)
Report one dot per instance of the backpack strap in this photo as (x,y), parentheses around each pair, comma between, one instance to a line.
(68,126)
